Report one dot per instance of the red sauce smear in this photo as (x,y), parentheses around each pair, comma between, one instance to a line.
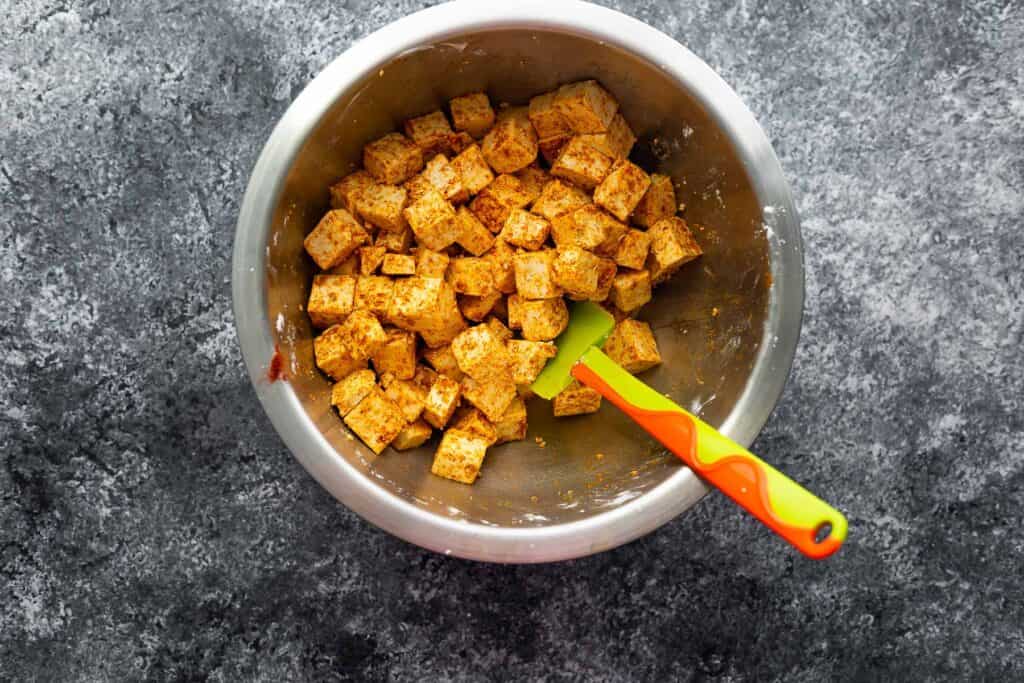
(276,370)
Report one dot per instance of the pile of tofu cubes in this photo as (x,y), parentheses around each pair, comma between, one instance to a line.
(447,260)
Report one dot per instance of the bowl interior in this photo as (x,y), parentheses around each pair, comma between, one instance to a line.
(708,320)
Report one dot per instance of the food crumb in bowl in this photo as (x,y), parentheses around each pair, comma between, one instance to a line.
(276,369)
(540,441)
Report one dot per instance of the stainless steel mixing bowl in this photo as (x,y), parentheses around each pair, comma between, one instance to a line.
(727,325)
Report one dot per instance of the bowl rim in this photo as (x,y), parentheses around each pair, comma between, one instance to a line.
(344,481)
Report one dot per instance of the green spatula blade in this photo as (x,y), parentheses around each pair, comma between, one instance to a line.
(589,325)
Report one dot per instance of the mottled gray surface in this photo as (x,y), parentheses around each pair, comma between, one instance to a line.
(152,524)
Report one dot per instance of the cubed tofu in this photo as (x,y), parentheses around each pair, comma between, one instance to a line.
(491,396)
(373,293)
(581,164)
(334,238)
(427,306)
(658,202)
(429,263)
(631,344)
(445,179)
(424,377)
(502,267)
(558,199)
(589,228)
(632,250)
(345,191)
(408,396)
(551,147)
(473,169)
(430,133)
(472,113)
(398,264)
(526,230)
(533,179)
(376,420)
(605,279)
(370,259)
(535,275)
(349,266)
(397,355)
(395,241)
(616,142)
(499,328)
(413,435)
(460,142)
(547,120)
(417,186)
(529,358)
(615,312)
(330,299)
(586,106)
(631,289)
(512,425)
(514,304)
(576,399)
(382,206)
(335,355)
(433,221)
(346,394)
(579,271)
(622,189)
(441,401)
(362,331)
(443,360)
(392,159)
(473,421)
(543,319)
(476,308)
(672,245)
(512,143)
(472,235)
(459,456)
(482,355)
(471,275)
(496,201)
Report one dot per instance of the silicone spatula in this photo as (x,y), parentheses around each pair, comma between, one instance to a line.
(811,525)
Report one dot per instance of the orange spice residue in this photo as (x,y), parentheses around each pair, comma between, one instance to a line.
(276,369)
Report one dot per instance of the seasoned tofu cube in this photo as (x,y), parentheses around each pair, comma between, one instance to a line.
(441,401)
(605,279)
(543,319)
(491,396)
(376,420)
(622,189)
(551,147)
(482,355)
(395,241)
(373,293)
(398,264)
(631,344)
(533,178)
(578,272)
(424,377)
(500,309)
(581,164)
(432,220)
(346,394)
(459,456)
(535,275)
(397,355)
(576,399)
(614,311)
(586,106)
(382,206)
(429,263)
(335,237)
(331,299)
(632,250)
(413,301)
(370,259)
(558,199)
(431,133)
(494,203)
(362,331)
(473,169)
(526,230)
(417,186)
(443,360)
(512,425)
(445,179)
(472,235)
(349,266)
(445,320)
(413,435)
(408,396)
(672,245)
(529,358)
(616,142)
(658,202)
(471,420)
(335,355)
(502,268)
(515,311)
(345,191)
(460,142)
(499,328)
(512,143)
(471,275)
(631,289)
(588,228)
(392,159)
(476,308)
(472,113)
(547,120)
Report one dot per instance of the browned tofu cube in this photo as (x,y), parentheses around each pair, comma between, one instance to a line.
(499,328)
(429,263)
(345,191)
(417,186)
(424,377)
(632,250)
(559,199)
(581,164)
(459,456)
(471,275)
(658,202)
(473,421)
(512,143)
(335,355)
(543,319)
(362,331)
(409,396)
(576,399)
(472,113)
(614,311)
(349,266)
(616,142)
(460,142)
(551,147)
(631,289)
(346,394)
(443,360)
(535,275)
(526,230)
(441,402)
(395,241)
(491,396)
(515,311)
(331,299)
(482,355)
(586,106)
(335,237)
(476,308)
(473,236)
(473,169)
(579,272)
(370,259)
(631,344)
(376,420)
(501,258)
(398,264)
(494,203)
(373,293)
(446,322)
(382,206)
(529,358)
(545,117)
(427,306)
(432,220)
(605,279)
(397,355)
(672,245)
(533,178)
(622,189)
(445,179)
(392,159)
(588,228)
(413,435)
(512,425)
(430,133)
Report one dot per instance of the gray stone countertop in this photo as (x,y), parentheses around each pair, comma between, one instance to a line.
(152,524)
